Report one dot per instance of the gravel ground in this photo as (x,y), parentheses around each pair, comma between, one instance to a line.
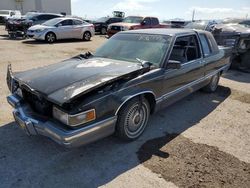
(200,141)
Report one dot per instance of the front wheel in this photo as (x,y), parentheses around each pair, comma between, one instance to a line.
(50,38)
(87,36)
(133,119)
(213,84)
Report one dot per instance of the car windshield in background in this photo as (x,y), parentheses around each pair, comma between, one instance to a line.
(130,47)
(30,15)
(103,19)
(4,12)
(133,19)
(52,22)
(231,21)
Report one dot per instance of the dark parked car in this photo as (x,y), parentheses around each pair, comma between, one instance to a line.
(132,75)
(19,27)
(101,25)
(233,33)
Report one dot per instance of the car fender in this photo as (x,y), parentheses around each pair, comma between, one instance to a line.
(132,95)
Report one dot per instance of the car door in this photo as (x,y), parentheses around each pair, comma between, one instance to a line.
(187,52)
(146,23)
(154,22)
(78,28)
(65,29)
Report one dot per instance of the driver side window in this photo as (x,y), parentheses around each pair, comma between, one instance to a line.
(185,49)
(67,23)
(147,21)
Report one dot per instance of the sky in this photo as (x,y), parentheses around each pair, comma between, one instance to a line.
(164,9)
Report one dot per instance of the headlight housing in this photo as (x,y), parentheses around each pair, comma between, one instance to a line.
(39,30)
(74,120)
(124,28)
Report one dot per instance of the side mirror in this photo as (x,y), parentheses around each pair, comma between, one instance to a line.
(173,64)
(59,25)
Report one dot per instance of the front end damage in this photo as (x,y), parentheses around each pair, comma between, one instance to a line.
(32,114)
(237,37)
(37,114)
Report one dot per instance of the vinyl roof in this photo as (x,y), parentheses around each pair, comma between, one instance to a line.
(164,31)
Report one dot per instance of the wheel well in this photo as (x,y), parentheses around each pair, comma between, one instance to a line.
(52,33)
(88,32)
(150,97)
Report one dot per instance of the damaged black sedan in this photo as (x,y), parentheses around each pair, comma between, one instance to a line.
(115,90)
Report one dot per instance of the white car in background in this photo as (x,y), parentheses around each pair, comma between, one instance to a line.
(62,28)
(6,14)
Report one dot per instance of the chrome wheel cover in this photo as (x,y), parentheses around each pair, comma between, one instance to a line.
(136,119)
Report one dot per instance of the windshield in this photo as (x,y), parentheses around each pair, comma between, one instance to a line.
(52,22)
(30,15)
(130,47)
(4,12)
(231,21)
(133,19)
(103,19)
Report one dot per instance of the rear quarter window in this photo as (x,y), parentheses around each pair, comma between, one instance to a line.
(205,45)
(212,43)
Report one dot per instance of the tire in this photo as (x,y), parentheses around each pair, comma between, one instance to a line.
(50,37)
(103,30)
(213,84)
(131,123)
(245,61)
(86,36)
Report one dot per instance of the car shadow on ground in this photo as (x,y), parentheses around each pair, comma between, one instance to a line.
(238,76)
(6,37)
(40,42)
(38,161)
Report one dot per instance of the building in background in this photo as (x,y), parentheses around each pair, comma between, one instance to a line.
(51,6)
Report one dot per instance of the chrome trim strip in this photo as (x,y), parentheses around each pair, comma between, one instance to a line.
(171,93)
(132,96)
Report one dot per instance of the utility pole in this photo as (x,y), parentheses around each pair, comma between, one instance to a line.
(193,15)
(246,16)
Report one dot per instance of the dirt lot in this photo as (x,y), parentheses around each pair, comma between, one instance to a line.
(201,141)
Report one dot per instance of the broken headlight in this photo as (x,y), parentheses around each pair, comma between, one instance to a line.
(74,120)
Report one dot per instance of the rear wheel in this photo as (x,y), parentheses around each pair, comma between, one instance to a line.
(87,36)
(50,37)
(213,84)
(103,31)
(133,119)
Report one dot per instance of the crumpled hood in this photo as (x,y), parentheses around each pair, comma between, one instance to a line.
(124,24)
(232,28)
(63,81)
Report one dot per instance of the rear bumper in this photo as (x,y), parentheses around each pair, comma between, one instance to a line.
(33,125)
